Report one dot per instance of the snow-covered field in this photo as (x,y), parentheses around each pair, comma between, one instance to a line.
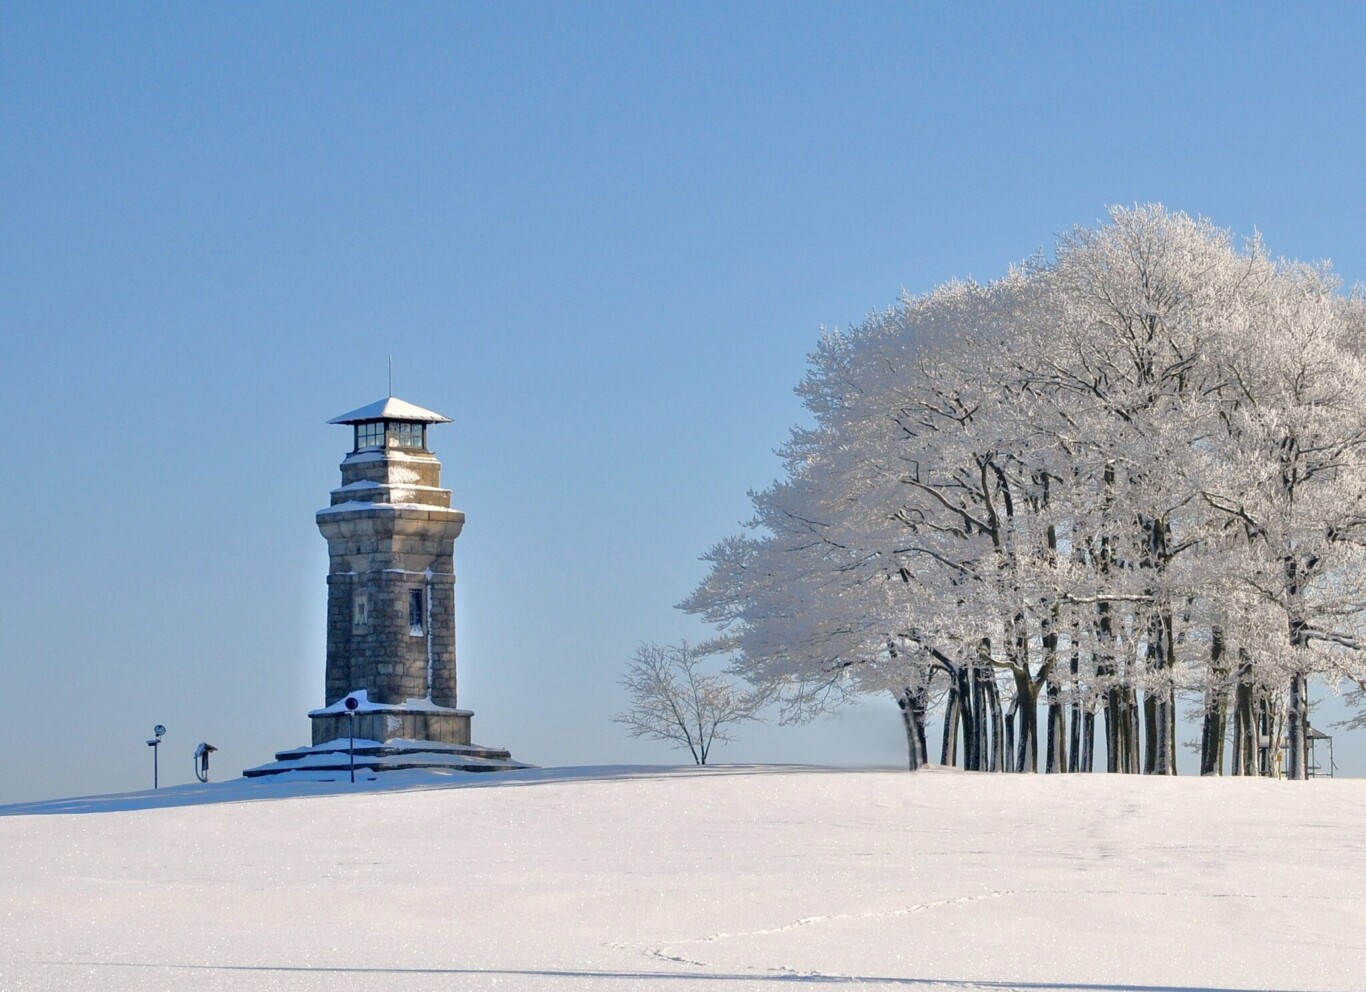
(683,879)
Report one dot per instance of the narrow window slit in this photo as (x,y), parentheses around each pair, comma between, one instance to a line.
(415,621)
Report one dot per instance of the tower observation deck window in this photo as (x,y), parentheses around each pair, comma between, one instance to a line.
(390,434)
(406,435)
(370,435)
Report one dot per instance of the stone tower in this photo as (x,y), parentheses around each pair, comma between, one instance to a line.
(391,581)
(390,534)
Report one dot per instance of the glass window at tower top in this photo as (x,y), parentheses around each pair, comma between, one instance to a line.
(407,435)
(390,434)
(369,435)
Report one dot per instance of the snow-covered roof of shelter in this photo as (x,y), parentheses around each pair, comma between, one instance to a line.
(390,408)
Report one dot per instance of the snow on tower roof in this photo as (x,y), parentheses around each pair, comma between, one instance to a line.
(390,408)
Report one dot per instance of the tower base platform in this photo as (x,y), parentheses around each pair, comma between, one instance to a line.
(334,757)
(412,719)
(387,737)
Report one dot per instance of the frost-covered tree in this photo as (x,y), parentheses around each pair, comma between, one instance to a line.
(1127,473)
(674,699)
(1294,484)
(859,524)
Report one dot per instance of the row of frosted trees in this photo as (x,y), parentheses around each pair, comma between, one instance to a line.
(1055,504)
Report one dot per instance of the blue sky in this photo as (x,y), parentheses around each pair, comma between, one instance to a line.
(601,237)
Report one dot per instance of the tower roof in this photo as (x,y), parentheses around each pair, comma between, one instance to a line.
(391,408)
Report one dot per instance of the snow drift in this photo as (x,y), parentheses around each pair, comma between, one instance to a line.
(683,879)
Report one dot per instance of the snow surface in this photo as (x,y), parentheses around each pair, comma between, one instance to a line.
(395,483)
(692,879)
(364,705)
(389,455)
(352,505)
(359,484)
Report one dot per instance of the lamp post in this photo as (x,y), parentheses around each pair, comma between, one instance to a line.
(351,705)
(154,743)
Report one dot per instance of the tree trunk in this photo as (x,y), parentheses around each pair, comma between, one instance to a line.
(981,713)
(1166,709)
(1131,705)
(1075,715)
(1055,758)
(1027,713)
(1088,740)
(1266,740)
(1112,760)
(1159,702)
(1297,699)
(970,700)
(1008,738)
(912,704)
(1167,714)
(1074,759)
(1056,761)
(1121,724)
(1212,733)
(1244,719)
(998,725)
(1149,732)
(1238,762)
(1116,748)
(1297,728)
(948,751)
(1216,710)
(1164,749)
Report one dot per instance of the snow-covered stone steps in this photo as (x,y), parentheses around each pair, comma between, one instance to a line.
(381,756)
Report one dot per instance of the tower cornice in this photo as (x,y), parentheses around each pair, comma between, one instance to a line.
(391,408)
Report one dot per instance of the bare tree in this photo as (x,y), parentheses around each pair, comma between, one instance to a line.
(674,700)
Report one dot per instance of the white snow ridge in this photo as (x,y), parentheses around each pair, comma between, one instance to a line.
(692,879)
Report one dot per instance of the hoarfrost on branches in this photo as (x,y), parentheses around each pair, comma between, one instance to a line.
(1134,471)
